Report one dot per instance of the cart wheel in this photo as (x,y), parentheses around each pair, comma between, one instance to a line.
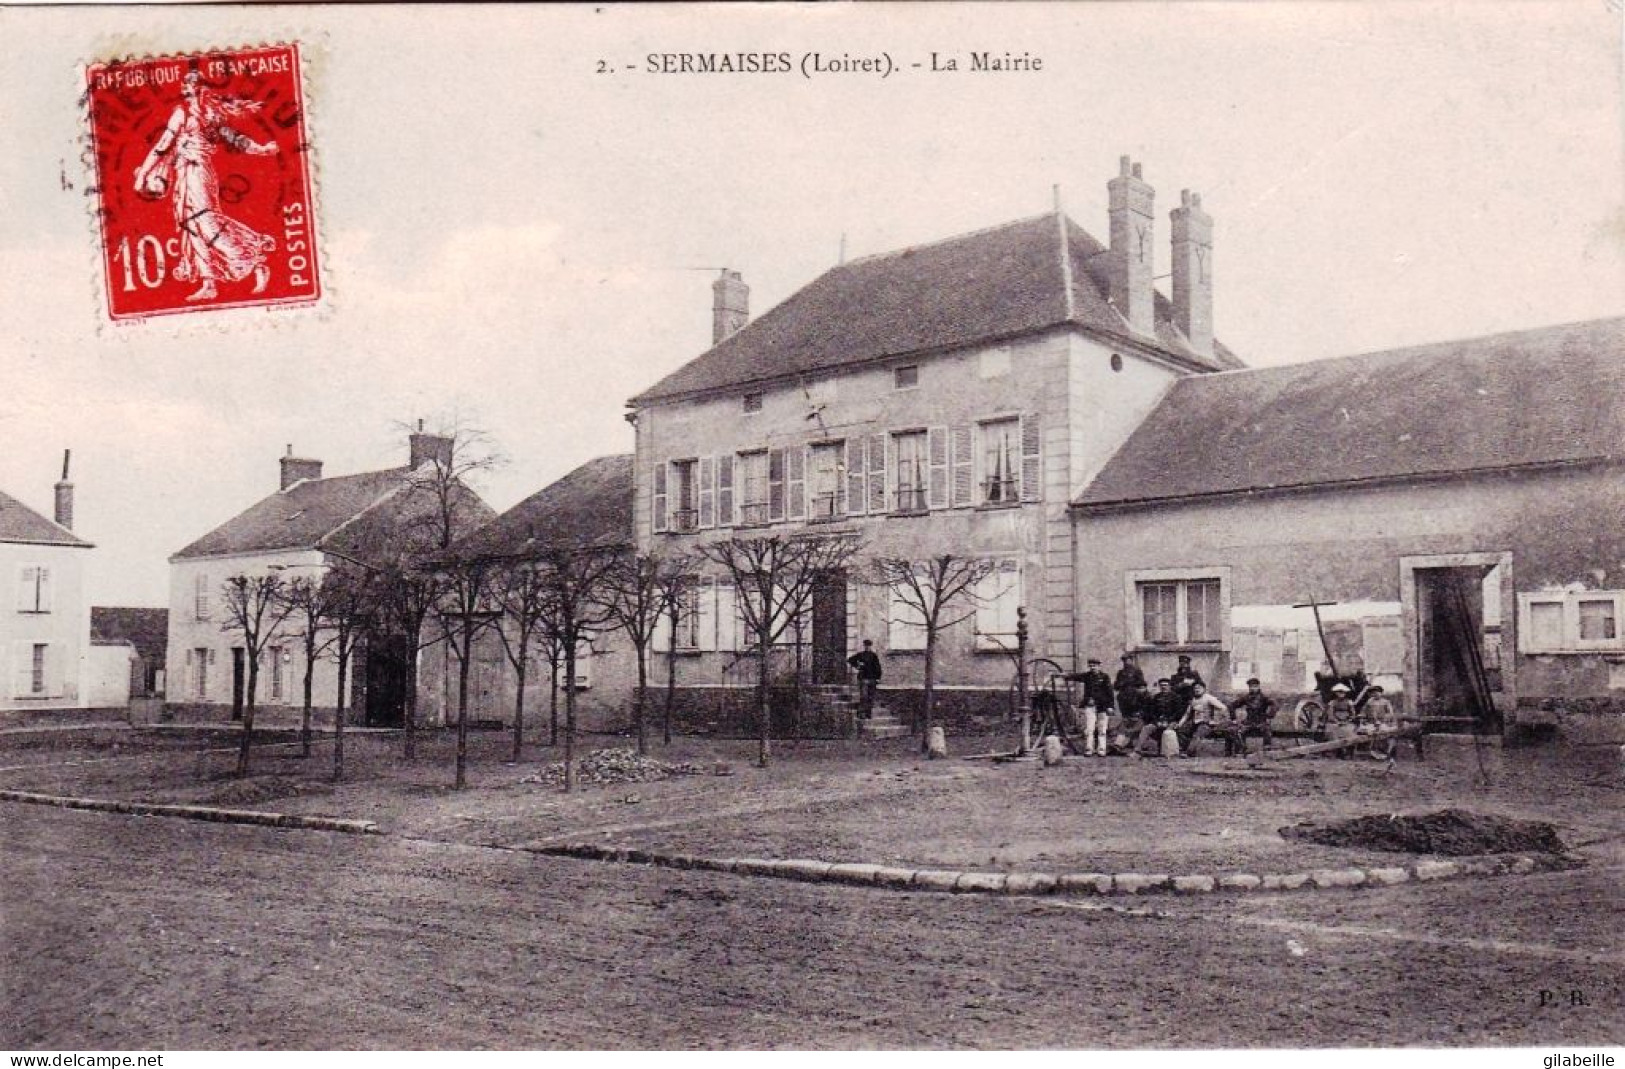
(1310,715)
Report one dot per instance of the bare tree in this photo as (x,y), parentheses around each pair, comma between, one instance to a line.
(404,543)
(679,609)
(640,590)
(254,610)
(576,582)
(462,613)
(521,595)
(773,579)
(304,598)
(937,593)
(348,591)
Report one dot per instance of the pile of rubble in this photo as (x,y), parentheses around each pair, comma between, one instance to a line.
(1451,832)
(622,765)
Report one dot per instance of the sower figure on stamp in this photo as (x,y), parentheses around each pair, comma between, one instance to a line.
(867,664)
(214,246)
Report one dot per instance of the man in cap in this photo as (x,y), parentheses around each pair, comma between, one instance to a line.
(1257,711)
(1095,698)
(1206,715)
(1129,688)
(1162,711)
(1185,679)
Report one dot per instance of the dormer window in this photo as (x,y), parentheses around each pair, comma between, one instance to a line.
(906,377)
(753,402)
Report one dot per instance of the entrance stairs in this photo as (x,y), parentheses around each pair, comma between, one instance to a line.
(881,723)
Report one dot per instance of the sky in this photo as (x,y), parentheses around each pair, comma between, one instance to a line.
(520,242)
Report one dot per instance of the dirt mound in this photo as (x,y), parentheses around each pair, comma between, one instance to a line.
(622,765)
(1451,832)
(257,790)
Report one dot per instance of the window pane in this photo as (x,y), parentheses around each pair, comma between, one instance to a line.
(1546,625)
(1160,603)
(826,479)
(1597,620)
(911,471)
(1001,461)
(1202,611)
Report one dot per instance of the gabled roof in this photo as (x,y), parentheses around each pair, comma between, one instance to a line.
(997,283)
(145,629)
(19,523)
(1535,398)
(589,508)
(300,517)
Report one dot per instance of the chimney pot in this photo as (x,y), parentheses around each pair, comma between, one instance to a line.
(423,448)
(1132,228)
(730,305)
(298,469)
(1192,231)
(1123,166)
(64,494)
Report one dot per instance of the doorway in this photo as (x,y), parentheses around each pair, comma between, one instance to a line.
(829,630)
(1457,667)
(384,672)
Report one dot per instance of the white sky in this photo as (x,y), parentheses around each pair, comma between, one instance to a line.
(506,231)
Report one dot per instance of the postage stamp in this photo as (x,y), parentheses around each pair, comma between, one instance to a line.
(203,186)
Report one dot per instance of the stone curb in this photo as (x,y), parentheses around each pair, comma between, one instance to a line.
(951,881)
(196,812)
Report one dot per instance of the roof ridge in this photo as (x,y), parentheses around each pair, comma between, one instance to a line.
(374,503)
(1007,225)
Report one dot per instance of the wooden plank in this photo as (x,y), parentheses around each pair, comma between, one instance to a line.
(1330,747)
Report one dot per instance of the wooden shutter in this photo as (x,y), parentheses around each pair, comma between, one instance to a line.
(857,476)
(937,454)
(963,443)
(877,472)
(706,606)
(775,485)
(723,615)
(708,491)
(25,588)
(725,490)
(44,589)
(795,482)
(1032,470)
(658,491)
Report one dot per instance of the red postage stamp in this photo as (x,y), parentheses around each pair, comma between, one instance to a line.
(203,182)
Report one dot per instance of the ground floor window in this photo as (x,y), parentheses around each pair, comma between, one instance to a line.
(1571,621)
(998,596)
(1173,609)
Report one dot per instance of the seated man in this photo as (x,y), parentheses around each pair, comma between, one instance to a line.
(1378,715)
(1205,716)
(1162,711)
(1258,713)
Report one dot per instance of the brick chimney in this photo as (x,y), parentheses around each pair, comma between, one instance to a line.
(1193,271)
(64,494)
(1131,252)
(297,469)
(424,447)
(730,305)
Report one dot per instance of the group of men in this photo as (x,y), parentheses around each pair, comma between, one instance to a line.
(1180,704)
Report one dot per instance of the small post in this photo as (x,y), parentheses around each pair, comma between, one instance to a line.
(1022,705)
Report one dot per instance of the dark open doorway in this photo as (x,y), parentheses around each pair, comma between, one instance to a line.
(384,663)
(829,629)
(1458,673)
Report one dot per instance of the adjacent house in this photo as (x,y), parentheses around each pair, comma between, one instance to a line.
(951,397)
(306,526)
(590,509)
(146,633)
(1455,509)
(45,626)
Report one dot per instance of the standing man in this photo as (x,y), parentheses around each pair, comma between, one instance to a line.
(1258,712)
(1185,679)
(867,665)
(1129,687)
(1096,700)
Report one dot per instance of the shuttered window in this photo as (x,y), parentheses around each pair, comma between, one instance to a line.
(34,588)
(998,596)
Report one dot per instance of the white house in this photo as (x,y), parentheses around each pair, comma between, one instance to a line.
(45,623)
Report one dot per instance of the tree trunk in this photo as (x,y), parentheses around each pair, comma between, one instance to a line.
(553,705)
(671,683)
(930,691)
(248,716)
(641,699)
(467,643)
(519,709)
(409,708)
(570,719)
(310,672)
(764,712)
(338,711)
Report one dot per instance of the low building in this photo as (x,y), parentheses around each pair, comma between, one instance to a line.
(309,524)
(45,628)
(1455,508)
(146,633)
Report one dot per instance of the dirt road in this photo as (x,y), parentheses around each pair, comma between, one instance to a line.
(126,932)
